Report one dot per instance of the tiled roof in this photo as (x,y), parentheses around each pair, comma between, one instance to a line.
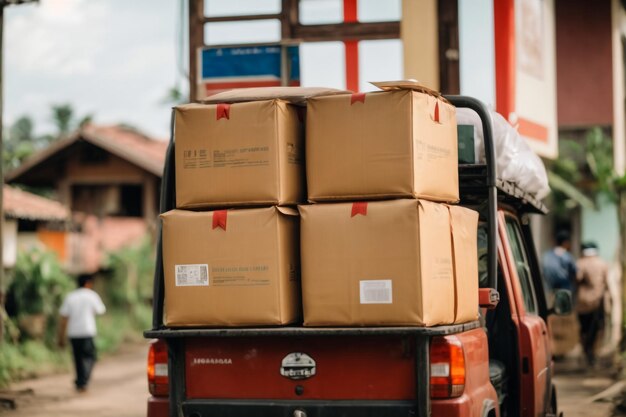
(20,204)
(128,144)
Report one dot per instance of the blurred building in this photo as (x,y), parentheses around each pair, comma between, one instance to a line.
(590,85)
(32,221)
(109,179)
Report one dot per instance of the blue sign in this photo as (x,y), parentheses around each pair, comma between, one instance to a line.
(248,64)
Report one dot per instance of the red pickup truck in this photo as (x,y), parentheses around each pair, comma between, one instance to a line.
(499,365)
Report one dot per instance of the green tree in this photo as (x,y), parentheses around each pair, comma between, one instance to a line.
(62,115)
(65,121)
(19,142)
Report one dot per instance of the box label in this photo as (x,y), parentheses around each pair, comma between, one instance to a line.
(226,158)
(227,274)
(376,292)
(429,152)
(192,275)
(196,158)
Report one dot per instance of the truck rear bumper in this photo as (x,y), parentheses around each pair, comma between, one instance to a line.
(288,408)
(158,407)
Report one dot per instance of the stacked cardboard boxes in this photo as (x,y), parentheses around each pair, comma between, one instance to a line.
(235,266)
(409,259)
(381,242)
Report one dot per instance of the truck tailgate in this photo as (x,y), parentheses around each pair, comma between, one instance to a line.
(297,368)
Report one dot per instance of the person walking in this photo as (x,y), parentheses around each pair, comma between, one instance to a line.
(559,268)
(78,323)
(592,284)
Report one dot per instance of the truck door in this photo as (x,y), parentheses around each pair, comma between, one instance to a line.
(534,356)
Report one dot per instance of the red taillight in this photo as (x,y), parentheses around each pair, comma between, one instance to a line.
(158,380)
(447,367)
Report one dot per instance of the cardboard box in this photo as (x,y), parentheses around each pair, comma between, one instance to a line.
(294,95)
(465,248)
(237,154)
(231,268)
(399,143)
(377,263)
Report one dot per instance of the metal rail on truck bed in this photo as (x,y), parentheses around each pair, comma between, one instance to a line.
(479,181)
(311,331)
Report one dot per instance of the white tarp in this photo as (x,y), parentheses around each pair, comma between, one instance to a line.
(515,161)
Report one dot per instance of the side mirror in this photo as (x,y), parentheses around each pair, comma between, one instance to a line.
(562,303)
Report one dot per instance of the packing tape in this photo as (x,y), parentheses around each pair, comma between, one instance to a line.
(223,111)
(357,97)
(359,208)
(219,219)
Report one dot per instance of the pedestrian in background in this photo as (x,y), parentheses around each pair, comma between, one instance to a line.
(559,268)
(78,323)
(592,284)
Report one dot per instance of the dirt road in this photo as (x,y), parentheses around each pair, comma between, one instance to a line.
(585,393)
(118,389)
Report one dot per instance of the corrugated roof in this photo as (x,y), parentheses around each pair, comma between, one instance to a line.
(128,144)
(21,204)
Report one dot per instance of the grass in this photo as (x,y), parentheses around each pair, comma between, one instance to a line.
(30,359)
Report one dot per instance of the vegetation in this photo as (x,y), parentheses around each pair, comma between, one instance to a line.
(38,286)
(21,141)
(131,272)
(38,283)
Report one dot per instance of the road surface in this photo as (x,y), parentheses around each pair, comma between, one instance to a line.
(119,389)
(584,393)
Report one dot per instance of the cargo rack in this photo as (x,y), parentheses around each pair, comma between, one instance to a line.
(478,186)
(473,188)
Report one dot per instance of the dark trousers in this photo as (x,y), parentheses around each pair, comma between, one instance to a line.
(590,326)
(84,351)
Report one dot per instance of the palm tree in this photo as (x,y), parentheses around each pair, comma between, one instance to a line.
(64,118)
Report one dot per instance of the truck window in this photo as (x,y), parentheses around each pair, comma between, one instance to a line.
(516,242)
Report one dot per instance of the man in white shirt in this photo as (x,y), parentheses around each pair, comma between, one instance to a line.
(78,323)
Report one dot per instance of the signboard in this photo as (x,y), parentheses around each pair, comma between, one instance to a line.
(535,111)
(525,63)
(508,60)
(225,68)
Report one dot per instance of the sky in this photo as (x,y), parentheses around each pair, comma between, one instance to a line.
(117,59)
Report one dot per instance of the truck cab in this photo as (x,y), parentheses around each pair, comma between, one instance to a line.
(499,365)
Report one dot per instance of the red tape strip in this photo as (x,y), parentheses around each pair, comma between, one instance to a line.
(223,111)
(359,208)
(436,117)
(219,219)
(357,97)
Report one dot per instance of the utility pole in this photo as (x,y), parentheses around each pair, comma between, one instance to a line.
(3,4)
